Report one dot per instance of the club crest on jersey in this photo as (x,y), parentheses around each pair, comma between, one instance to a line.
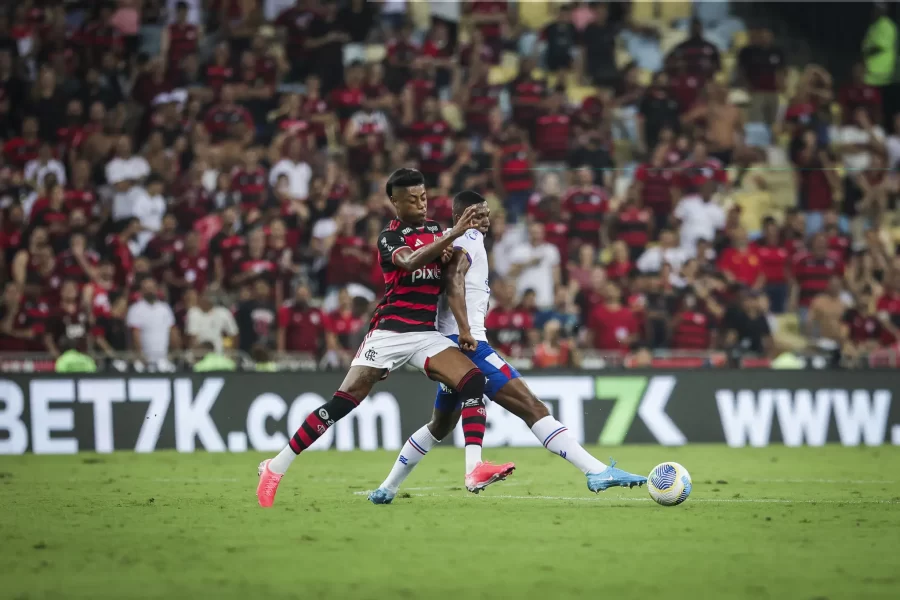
(426,274)
(472,234)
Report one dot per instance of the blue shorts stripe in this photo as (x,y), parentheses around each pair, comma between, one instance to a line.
(496,371)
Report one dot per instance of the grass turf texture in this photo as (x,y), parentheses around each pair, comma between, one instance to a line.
(796,523)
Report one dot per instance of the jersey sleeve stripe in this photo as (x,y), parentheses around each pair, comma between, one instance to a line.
(466,252)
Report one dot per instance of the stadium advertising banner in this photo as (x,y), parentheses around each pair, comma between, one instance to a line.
(250,411)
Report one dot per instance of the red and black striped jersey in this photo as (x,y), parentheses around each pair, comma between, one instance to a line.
(410,298)
(812,274)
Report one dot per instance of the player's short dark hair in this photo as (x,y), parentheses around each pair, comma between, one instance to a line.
(465,199)
(403,178)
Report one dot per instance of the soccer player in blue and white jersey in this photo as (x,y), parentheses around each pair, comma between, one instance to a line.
(461,314)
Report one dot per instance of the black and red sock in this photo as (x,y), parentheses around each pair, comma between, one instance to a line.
(321,419)
(474,413)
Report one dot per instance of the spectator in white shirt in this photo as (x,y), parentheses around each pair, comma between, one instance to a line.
(535,266)
(506,237)
(210,323)
(295,168)
(666,252)
(152,325)
(126,166)
(44,164)
(700,217)
(149,206)
(123,172)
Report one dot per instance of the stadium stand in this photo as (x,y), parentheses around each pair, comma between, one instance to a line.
(667,189)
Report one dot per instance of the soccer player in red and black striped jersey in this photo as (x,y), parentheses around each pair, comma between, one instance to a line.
(403,329)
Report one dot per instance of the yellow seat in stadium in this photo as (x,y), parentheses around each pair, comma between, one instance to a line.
(642,11)
(673,10)
(739,40)
(419,14)
(754,206)
(577,93)
(506,71)
(788,322)
(375,53)
(534,15)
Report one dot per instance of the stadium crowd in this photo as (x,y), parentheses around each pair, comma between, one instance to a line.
(664,190)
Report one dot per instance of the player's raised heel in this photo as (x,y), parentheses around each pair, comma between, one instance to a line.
(613,477)
(268,484)
(487,473)
(381,496)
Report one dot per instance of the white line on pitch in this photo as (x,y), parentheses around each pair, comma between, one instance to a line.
(197,480)
(611,499)
(841,481)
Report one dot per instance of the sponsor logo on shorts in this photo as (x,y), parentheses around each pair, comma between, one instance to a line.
(445,389)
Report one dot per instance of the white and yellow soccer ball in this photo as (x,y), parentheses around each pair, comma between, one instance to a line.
(669,484)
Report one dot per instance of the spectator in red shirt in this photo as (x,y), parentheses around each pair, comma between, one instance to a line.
(740,263)
(587,206)
(68,324)
(864,330)
(553,129)
(553,352)
(20,150)
(888,304)
(653,184)
(811,271)
(120,253)
(858,94)
(613,326)
(301,327)
(816,178)
(774,258)
(692,326)
(696,55)
(228,120)
(341,327)
(762,66)
(507,325)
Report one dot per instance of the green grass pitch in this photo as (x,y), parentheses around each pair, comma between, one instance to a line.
(792,523)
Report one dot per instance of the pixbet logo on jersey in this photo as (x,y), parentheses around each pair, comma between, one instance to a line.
(426,273)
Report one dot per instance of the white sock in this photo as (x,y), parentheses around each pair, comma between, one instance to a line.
(473,457)
(414,450)
(557,439)
(284,459)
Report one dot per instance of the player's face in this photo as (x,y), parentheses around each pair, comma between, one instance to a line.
(483,218)
(411,204)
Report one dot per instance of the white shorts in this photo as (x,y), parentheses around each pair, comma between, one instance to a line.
(390,349)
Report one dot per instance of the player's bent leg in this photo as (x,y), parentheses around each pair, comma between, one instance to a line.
(443,420)
(452,368)
(515,397)
(357,384)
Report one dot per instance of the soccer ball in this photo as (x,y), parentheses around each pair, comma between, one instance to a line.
(669,484)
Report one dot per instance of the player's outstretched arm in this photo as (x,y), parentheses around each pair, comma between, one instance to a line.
(456,298)
(408,259)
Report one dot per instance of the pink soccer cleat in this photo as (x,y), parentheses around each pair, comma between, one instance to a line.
(268,484)
(487,473)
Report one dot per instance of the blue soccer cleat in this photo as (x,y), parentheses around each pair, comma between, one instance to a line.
(613,477)
(381,496)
